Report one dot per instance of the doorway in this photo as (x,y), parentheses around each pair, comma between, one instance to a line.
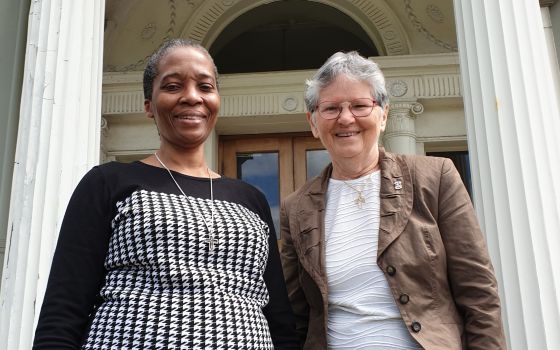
(276,164)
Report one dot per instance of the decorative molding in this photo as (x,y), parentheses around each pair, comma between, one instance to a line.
(104,127)
(437,86)
(249,103)
(262,104)
(386,23)
(451,138)
(435,13)
(202,21)
(417,109)
(270,93)
(425,86)
(172,22)
(405,109)
(291,103)
(125,102)
(211,18)
(148,31)
(420,27)
(146,34)
(397,88)
(132,102)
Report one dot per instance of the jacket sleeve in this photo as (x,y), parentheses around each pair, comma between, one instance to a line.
(470,272)
(77,269)
(291,267)
(278,311)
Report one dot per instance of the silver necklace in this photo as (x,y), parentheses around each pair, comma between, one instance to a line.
(360,200)
(212,241)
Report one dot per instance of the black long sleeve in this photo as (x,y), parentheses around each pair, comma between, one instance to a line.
(278,312)
(77,268)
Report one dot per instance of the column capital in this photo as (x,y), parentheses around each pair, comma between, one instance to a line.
(409,108)
(104,126)
(400,132)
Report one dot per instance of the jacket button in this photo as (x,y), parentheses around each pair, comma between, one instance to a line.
(403,299)
(391,271)
(416,326)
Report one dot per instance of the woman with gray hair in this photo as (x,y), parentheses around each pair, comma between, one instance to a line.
(382,251)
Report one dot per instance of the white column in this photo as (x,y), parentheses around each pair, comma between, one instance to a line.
(58,141)
(513,124)
(400,132)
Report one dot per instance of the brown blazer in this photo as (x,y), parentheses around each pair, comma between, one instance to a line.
(430,247)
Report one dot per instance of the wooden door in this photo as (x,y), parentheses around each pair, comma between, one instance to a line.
(276,164)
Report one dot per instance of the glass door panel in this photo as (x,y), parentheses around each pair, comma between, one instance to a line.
(316,160)
(310,158)
(266,163)
(262,171)
(276,165)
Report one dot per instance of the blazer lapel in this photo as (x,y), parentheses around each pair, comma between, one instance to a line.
(396,199)
(396,205)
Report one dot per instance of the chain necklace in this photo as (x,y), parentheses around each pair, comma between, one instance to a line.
(360,200)
(212,241)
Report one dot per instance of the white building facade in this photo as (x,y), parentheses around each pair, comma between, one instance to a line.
(465,76)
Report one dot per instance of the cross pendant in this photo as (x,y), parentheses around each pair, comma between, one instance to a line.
(360,200)
(211,242)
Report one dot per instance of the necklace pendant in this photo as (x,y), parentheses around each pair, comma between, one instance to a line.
(360,200)
(211,243)
(211,240)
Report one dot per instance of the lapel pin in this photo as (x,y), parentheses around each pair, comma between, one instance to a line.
(398,184)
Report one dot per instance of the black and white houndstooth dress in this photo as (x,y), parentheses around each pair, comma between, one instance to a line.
(160,287)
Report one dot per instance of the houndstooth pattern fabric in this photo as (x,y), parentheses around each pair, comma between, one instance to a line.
(165,290)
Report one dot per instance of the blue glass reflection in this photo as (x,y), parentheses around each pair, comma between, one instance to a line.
(262,171)
(316,160)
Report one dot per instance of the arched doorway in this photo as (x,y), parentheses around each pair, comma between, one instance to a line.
(287,35)
(281,36)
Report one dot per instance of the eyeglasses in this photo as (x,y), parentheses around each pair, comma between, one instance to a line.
(360,107)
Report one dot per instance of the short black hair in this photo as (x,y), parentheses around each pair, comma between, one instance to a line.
(151,70)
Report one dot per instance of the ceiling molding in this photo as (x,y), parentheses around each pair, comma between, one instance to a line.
(420,27)
(387,33)
(547,3)
(424,77)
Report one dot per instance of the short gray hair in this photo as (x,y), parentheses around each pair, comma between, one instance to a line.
(151,70)
(352,65)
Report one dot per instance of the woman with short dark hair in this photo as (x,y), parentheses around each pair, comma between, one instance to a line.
(164,253)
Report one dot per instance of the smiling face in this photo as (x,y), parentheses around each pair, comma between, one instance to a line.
(348,137)
(185,99)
